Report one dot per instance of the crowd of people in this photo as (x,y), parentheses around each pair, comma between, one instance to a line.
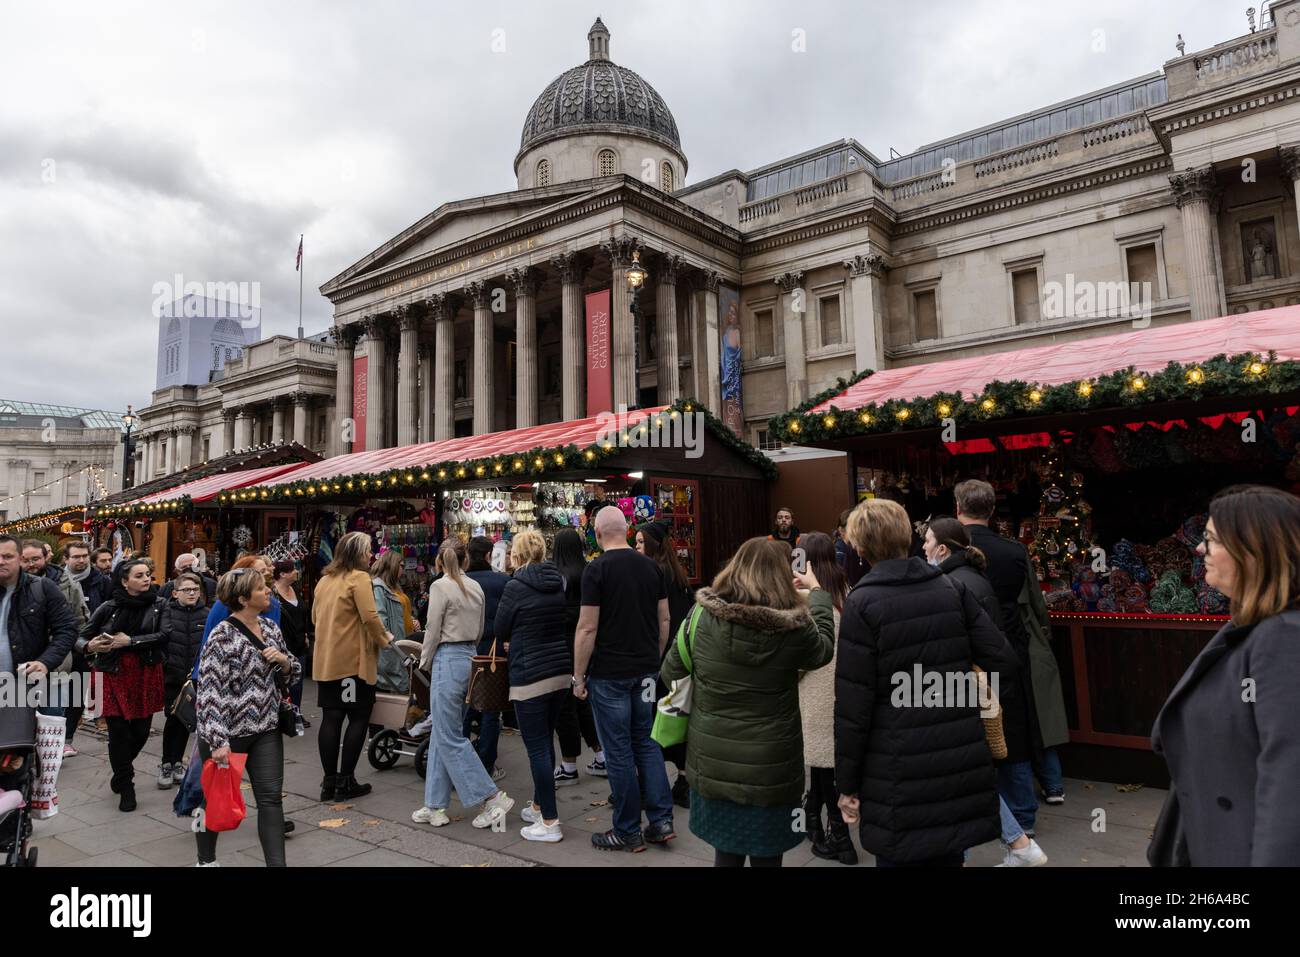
(794,653)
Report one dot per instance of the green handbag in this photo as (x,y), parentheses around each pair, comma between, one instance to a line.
(673,713)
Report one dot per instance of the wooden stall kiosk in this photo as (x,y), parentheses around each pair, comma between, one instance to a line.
(1105,454)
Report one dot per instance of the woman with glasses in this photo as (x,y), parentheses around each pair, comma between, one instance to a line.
(183,620)
(1229,728)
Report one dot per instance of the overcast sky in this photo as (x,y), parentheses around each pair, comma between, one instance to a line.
(141,140)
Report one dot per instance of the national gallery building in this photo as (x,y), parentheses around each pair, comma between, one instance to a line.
(608,277)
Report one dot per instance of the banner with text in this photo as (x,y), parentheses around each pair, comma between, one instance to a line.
(600,368)
(359,365)
(733,407)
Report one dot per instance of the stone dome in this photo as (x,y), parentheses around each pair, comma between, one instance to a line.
(599,95)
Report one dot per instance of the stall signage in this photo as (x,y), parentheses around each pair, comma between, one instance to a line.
(600,370)
(359,366)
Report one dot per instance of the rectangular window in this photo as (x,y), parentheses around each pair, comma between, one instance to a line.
(207,448)
(829,310)
(1142,266)
(1024,290)
(38,479)
(764,333)
(763,439)
(925,315)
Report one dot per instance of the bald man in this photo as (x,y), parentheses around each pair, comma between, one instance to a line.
(622,634)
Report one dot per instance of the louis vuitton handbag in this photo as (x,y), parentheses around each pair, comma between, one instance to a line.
(489,682)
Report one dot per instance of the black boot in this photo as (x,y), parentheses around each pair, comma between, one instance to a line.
(812,820)
(348,787)
(837,844)
(127,802)
(681,791)
(328,785)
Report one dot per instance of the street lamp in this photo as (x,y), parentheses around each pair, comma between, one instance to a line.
(128,459)
(636,276)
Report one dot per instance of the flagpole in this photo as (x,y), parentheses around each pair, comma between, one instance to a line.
(301,270)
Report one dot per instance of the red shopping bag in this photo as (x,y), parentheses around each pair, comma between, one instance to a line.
(223,802)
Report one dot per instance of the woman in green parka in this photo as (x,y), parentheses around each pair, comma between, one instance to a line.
(753,635)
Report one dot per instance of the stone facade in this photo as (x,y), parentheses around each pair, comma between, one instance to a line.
(53,456)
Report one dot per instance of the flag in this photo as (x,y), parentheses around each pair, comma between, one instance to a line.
(298,261)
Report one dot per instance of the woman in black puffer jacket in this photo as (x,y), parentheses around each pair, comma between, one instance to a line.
(182,621)
(920,778)
(530,619)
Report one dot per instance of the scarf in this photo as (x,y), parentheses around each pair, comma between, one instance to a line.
(130,610)
(81,576)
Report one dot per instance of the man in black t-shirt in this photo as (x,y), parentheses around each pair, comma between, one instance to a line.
(622,633)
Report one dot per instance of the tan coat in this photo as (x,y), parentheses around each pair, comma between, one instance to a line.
(349,631)
(817,710)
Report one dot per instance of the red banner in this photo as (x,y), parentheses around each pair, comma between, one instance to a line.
(600,368)
(359,365)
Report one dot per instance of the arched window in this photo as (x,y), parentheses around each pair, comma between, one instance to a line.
(606,163)
(666,177)
(543,173)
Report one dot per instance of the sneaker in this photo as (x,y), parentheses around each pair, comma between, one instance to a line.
(541,831)
(1029,833)
(563,777)
(69,751)
(126,801)
(597,768)
(498,772)
(208,864)
(178,773)
(1057,797)
(1031,856)
(494,809)
(164,776)
(530,814)
(435,816)
(659,833)
(611,841)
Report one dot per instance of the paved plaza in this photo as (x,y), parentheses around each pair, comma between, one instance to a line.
(376,830)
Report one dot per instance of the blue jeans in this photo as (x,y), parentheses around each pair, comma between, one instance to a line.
(1048,772)
(1011,829)
(624,711)
(537,720)
(1016,788)
(452,759)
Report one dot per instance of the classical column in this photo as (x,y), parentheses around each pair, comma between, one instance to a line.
(345,341)
(796,359)
(1197,196)
(392,346)
(277,422)
(622,333)
(573,338)
(670,386)
(425,397)
(480,293)
(170,465)
(184,446)
(228,431)
(1290,156)
(525,280)
(146,458)
(444,385)
(867,293)
(243,428)
(375,334)
(301,405)
(710,281)
(408,376)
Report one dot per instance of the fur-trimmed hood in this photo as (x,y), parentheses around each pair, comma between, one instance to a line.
(756,617)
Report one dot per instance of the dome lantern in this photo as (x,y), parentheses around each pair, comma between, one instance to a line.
(598,41)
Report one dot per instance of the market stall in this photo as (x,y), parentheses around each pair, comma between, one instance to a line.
(1104,453)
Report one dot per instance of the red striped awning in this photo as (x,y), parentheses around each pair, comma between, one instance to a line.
(204,489)
(582,433)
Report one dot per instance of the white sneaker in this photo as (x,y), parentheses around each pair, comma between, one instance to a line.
(530,815)
(209,864)
(431,815)
(1031,856)
(494,809)
(498,773)
(541,831)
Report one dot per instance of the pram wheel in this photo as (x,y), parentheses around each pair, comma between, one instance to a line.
(31,856)
(384,750)
(422,758)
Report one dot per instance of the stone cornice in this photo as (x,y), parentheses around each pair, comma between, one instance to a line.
(826,227)
(1251,93)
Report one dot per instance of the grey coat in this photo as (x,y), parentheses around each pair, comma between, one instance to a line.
(1229,733)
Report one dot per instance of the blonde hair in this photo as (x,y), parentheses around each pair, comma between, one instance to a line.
(527,547)
(237,586)
(349,554)
(879,530)
(1259,528)
(758,574)
(451,554)
(387,568)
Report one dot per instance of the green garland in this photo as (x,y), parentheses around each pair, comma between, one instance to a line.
(1246,374)
(521,466)
(165,509)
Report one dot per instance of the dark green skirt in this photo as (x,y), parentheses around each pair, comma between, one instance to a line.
(744,829)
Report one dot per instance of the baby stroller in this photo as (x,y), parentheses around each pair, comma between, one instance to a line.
(19,772)
(390,739)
